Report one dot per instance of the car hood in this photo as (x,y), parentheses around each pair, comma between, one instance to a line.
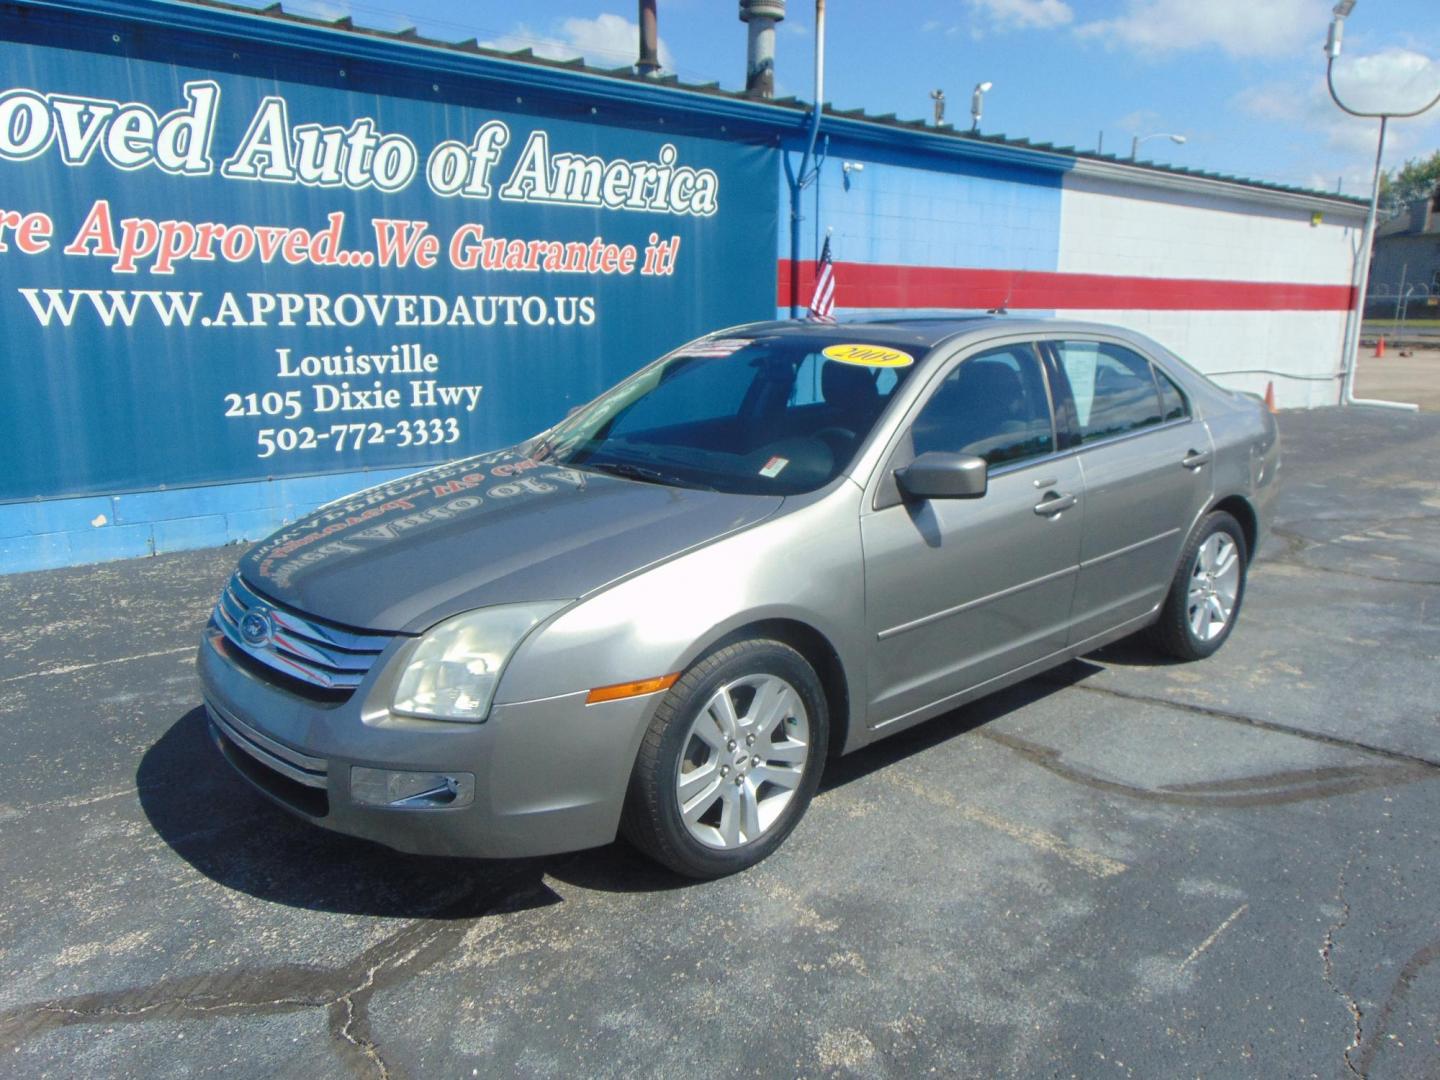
(494,529)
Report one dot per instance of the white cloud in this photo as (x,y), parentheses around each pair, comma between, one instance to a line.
(1396,80)
(604,41)
(1024,14)
(1140,122)
(1282,102)
(1237,27)
(1392,79)
(1001,16)
(329,10)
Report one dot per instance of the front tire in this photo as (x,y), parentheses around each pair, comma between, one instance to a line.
(730,762)
(1205,597)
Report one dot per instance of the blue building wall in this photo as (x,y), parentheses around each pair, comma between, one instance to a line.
(48,533)
(906,209)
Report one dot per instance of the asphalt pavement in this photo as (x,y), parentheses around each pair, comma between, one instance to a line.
(1124,868)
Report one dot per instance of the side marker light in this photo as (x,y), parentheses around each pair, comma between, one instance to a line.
(631,689)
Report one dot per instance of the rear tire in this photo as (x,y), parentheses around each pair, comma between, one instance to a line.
(1204,600)
(730,762)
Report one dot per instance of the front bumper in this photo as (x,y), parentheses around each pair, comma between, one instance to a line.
(549,775)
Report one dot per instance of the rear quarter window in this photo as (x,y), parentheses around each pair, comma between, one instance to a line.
(1172,401)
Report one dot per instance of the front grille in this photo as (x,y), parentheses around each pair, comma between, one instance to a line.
(299,647)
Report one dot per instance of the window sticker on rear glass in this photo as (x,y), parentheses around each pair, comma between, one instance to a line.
(868,355)
(713,347)
(1079,361)
(774,467)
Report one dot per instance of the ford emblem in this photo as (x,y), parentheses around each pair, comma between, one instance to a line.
(255,627)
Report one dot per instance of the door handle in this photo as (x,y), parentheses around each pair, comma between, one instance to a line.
(1053,504)
(1195,458)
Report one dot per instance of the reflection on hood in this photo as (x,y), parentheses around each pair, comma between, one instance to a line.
(492,529)
(404,507)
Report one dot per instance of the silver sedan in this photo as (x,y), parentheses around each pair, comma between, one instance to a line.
(778,543)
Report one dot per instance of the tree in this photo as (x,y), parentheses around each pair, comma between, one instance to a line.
(1418,178)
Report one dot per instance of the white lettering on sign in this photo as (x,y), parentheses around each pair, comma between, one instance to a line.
(579,180)
(129,136)
(132,135)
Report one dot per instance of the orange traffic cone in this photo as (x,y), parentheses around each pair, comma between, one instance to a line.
(1270,395)
(1380,348)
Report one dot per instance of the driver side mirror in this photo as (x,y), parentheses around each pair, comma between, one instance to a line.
(938,474)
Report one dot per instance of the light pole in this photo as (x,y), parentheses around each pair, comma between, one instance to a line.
(1362,265)
(1135,141)
(977,104)
(938,97)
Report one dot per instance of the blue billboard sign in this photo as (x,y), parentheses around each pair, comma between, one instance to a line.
(215,272)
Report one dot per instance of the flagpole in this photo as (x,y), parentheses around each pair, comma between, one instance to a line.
(822,297)
(800,180)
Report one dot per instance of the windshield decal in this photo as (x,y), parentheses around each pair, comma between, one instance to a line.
(868,355)
(774,467)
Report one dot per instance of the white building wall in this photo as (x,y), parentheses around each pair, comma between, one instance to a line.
(1114,227)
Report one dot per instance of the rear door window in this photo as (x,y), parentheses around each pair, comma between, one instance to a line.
(1113,388)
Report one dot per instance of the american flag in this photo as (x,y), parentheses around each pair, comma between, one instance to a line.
(822,303)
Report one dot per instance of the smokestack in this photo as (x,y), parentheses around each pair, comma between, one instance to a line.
(761,15)
(649,62)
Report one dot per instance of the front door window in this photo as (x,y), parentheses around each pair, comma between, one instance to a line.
(994,405)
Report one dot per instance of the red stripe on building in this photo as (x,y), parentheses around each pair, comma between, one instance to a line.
(871,285)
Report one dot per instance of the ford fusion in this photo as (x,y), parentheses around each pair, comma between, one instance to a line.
(778,543)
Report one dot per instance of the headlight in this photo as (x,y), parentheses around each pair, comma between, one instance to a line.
(452,673)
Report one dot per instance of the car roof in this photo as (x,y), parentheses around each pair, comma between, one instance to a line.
(922,332)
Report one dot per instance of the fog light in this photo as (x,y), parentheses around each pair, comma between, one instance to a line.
(411,790)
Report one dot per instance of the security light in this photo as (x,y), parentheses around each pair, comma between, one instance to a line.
(1135,141)
(1337,28)
(977,103)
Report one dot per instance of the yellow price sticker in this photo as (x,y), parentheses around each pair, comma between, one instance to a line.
(867,355)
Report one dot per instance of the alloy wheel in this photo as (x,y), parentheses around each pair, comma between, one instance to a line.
(1214,584)
(743,758)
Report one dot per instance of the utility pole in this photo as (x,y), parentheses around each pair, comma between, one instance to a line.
(1360,282)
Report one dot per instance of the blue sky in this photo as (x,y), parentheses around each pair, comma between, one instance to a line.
(1243,80)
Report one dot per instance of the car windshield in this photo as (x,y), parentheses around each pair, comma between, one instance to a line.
(781,414)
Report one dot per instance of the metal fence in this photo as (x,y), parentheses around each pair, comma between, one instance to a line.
(1398,304)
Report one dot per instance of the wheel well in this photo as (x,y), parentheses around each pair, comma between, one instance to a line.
(1240,509)
(821,656)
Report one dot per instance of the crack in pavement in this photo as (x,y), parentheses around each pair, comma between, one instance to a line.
(1422,956)
(345,991)
(1295,544)
(1328,969)
(1251,721)
(365,1047)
